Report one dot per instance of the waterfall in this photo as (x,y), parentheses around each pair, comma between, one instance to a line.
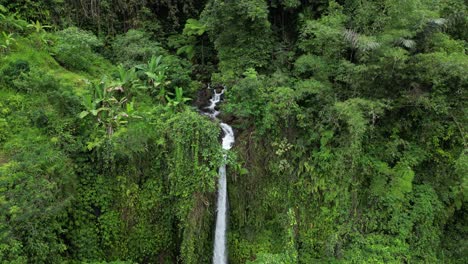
(219,252)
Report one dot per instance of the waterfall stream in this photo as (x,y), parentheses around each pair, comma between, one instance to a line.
(220,252)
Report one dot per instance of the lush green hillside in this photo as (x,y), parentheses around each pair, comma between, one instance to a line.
(349,116)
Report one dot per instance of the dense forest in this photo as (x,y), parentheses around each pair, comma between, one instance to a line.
(350,119)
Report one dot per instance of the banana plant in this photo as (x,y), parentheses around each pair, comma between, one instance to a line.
(155,64)
(126,81)
(178,102)
(93,102)
(109,111)
(8,41)
(40,33)
(38,27)
(156,81)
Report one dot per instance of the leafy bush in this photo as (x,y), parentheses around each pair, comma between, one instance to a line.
(311,65)
(246,96)
(178,71)
(13,71)
(36,189)
(4,129)
(7,42)
(135,47)
(74,48)
(36,80)
(66,102)
(235,28)
(10,22)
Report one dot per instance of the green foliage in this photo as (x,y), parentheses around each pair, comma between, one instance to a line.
(135,47)
(324,36)
(178,72)
(358,113)
(347,140)
(192,29)
(8,42)
(74,49)
(349,116)
(155,203)
(38,27)
(312,66)
(246,95)
(234,28)
(36,80)
(110,109)
(156,79)
(178,102)
(30,10)
(35,191)
(10,22)
(193,139)
(14,71)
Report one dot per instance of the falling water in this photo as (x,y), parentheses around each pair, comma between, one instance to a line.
(219,253)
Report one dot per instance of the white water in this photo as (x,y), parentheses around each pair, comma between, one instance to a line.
(219,252)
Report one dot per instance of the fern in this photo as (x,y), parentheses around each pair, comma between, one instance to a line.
(194,27)
(360,42)
(434,25)
(406,43)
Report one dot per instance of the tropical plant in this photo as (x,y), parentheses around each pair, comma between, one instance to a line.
(127,81)
(193,28)
(360,42)
(156,79)
(11,22)
(38,27)
(8,42)
(109,111)
(178,102)
(234,28)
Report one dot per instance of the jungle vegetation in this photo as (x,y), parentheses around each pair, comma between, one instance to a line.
(350,119)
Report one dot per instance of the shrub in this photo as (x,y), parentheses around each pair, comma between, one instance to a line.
(178,71)
(74,48)
(38,183)
(135,47)
(4,129)
(13,71)
(65,101)
(35,80)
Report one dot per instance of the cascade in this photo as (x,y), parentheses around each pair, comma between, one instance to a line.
(220,251)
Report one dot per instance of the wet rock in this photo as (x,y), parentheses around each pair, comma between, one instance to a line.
(203,98)
(218,88)
(227,118)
